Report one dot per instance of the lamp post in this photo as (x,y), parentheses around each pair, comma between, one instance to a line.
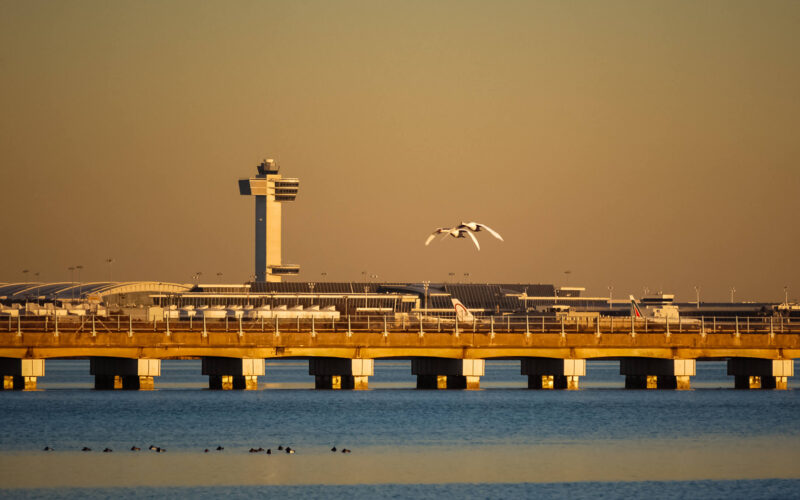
(426,285)
(452,276)
(71,270)
(219,276)
(786,295)
(610,295)
(80,287)
(24,273)
(466,277)
(697,294)
(733,290)
(311,291)
(110,261)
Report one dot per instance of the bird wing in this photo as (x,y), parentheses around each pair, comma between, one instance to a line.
(491,231)
(439,230)
(474,239)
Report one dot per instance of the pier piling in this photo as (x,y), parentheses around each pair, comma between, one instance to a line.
(233,373)
(441,373)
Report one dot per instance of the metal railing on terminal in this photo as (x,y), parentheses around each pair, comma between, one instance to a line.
(408,323)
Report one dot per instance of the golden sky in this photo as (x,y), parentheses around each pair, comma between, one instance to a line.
(633,143)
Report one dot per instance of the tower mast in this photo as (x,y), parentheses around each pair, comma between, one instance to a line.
(270,191)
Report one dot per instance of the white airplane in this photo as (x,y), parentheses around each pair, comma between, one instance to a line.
(462,230)
(660,312)
(462,313)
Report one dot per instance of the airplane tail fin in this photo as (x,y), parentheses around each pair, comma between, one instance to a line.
(462,313)
(635,311)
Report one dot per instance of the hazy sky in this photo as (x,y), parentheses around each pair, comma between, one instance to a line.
(633,143)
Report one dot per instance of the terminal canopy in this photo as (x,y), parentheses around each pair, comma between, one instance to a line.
(21,292)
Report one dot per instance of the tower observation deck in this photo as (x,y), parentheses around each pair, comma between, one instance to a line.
(270,191)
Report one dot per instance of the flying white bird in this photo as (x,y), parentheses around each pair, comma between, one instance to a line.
(477,226)
(451,231)
(462,231)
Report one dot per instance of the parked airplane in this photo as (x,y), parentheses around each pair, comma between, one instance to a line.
(462,313)
(659,309)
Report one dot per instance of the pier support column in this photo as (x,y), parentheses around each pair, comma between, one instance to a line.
(341,373)
(551,373)
(20,374)
(653,373)
(124,373)
(753,373)
(442,373)
(233,373)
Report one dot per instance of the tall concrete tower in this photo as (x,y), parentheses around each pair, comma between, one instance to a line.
(270,191)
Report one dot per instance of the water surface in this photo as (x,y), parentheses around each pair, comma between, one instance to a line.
(503,440)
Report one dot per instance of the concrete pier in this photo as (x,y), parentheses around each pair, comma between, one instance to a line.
(20,374)
(341,373)
(233,373)
(652,373)
(441,373)
(124,373)
(752,373)
(553,373)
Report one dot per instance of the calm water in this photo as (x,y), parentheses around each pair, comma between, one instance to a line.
(503,441)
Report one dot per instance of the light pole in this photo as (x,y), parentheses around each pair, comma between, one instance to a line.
(697,294)
(24,273)
(425,285)
(646,291)
(80,287)
(324,276)
(110,261)
(219,276)
(466,277)
(610,295)
(786,295)
(72,280)
(733,290)
(311,291)
(452,276)
(566,276)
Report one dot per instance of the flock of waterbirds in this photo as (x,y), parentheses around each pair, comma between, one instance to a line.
(157,449)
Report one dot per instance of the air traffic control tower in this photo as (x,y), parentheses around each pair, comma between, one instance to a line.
(270,191)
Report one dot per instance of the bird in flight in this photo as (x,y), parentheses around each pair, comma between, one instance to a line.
(462,231)
(477,226)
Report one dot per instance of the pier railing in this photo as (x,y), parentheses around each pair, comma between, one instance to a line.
(388,324)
